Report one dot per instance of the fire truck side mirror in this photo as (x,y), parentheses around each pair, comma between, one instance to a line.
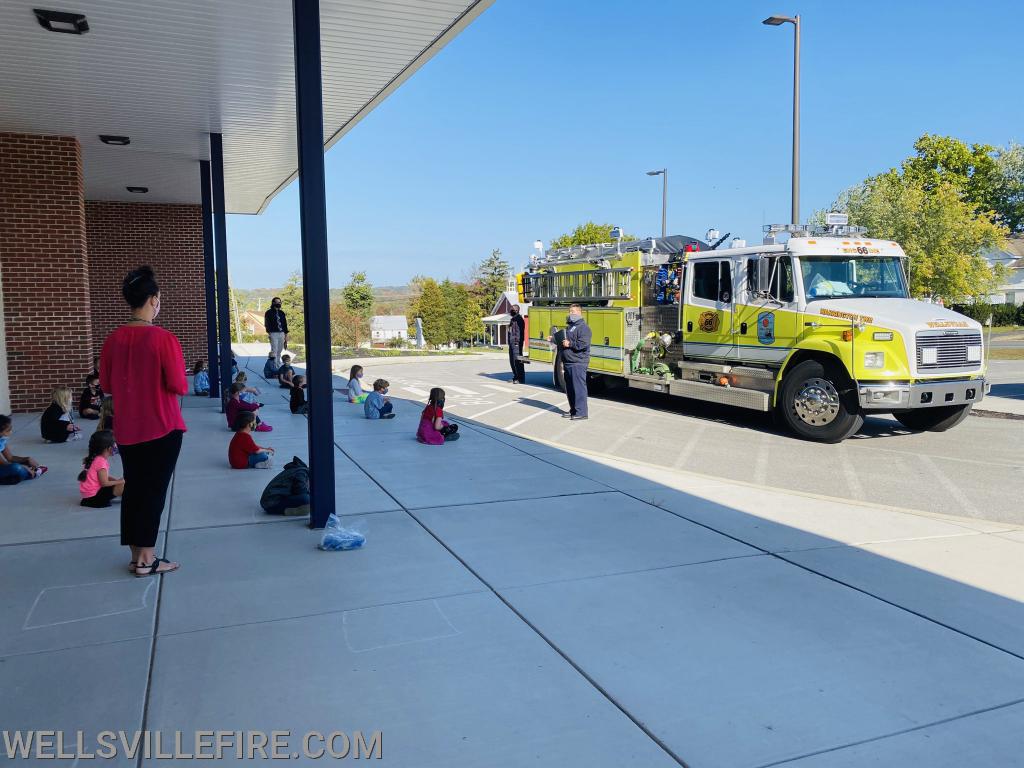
(764,274)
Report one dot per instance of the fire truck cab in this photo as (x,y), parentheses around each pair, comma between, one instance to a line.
(820,329)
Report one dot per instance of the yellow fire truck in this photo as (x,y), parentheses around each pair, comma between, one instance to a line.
(820,329)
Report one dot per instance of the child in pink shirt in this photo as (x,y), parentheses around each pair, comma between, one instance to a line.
(95,483)
(433,429)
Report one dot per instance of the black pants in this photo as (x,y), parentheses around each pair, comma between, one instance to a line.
(518,368)
(102,498)
(576,388)
(147,473)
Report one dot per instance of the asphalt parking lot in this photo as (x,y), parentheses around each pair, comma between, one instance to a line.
(972,471)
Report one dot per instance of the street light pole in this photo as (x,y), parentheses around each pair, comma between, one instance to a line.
(775,21)
(664,199)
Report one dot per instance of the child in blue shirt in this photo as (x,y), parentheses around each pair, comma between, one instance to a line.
(376,405)
(200,378)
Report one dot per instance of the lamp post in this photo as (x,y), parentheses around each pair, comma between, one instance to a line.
(776,21)
(664,197)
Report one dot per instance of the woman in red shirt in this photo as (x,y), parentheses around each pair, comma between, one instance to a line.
(143,369)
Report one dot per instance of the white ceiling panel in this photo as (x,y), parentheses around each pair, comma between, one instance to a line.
(168,73)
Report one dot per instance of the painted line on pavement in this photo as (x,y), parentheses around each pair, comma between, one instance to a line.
(417,392)
(462,391)
(495,408)
(549,409)
(499,388)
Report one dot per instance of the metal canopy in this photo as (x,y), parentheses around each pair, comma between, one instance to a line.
(168,74)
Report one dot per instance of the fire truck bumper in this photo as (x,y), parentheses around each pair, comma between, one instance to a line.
(925,394)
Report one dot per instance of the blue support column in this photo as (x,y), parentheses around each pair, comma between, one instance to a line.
(221,242)
(211,289)
(309,118)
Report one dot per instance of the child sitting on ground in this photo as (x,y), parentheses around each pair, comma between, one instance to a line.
(97,487)
(286,373)
(248,394)
(235,405)
(200,378)
(14,469)
(57,425)
(243,453)
(298,402)
(270,368)
(377,406)
(91,399)
(355,389)
(433,429)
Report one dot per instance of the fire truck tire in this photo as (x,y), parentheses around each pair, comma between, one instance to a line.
(558,373)
(933,419)
(811,404)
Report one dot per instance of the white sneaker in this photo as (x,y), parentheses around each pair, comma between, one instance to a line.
(265,464)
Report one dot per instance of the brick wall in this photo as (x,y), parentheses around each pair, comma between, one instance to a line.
(45,276)
(169,238)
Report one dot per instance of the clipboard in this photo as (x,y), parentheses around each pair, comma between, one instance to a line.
(558,335)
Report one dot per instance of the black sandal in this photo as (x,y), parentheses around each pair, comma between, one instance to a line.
(153,569)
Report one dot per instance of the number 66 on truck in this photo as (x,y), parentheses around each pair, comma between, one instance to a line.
(820,329)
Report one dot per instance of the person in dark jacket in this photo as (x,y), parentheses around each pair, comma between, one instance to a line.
(276,323)
(516,333)
(288,492)
(576,359)
(92,398)
(56,424)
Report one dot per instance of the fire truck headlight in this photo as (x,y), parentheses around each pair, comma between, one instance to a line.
(874,359)
(882,335)
(974,354)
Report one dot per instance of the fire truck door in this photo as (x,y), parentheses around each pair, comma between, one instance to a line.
(708,313)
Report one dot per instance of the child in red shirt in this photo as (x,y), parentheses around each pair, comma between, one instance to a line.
(433,429)
(243,453)
(235,406)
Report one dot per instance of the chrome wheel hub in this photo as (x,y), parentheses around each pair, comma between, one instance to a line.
(817,402)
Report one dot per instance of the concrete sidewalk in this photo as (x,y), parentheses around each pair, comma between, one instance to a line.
(515,603)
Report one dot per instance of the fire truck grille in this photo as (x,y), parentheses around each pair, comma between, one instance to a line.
(942,351)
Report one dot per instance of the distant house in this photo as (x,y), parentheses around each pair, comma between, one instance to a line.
(1011,256)
(252,322)
(384,328)
(497,322)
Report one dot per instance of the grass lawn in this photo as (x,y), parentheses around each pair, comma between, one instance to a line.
(1006,353)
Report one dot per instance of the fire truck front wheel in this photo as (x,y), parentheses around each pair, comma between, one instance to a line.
(812,404)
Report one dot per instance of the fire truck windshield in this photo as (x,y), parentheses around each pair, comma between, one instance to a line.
(852,277)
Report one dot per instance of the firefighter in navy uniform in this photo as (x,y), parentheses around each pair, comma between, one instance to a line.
(576,358)
(516,332)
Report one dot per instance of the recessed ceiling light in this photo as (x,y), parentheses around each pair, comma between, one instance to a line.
(119,141)
(62,21)
(138,190)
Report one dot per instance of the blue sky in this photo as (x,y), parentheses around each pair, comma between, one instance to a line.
(546,113)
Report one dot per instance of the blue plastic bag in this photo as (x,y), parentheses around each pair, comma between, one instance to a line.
(338,537)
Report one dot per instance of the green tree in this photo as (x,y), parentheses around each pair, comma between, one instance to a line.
(430,305)
(942,233)
(292,306)
(1010,160)
(462,312)
(348,329)
(988,179)
(358,295)
(587,234)
(488,280)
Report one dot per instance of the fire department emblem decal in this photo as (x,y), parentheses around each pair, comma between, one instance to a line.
(708,322)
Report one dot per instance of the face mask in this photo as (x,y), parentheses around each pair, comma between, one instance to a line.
(384,391)
(277,306)
(440,403)
(573,317)
(156,312)
(359,375)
